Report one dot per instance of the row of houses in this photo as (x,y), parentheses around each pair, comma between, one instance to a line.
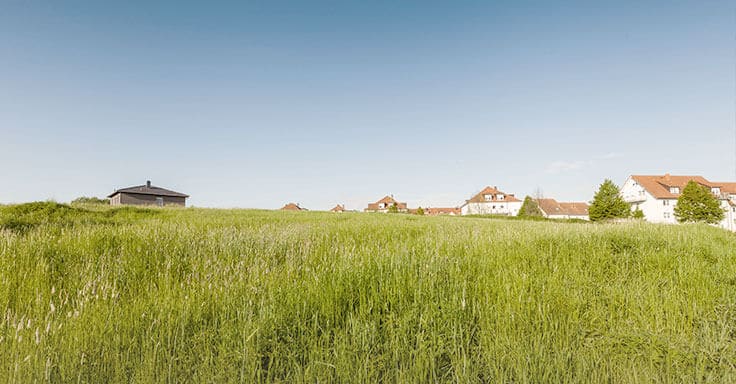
(489,201)
(655,195)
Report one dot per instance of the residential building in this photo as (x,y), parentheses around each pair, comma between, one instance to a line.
(442,211)
(656,196)
(147,195)
(553,209)
(385,204)
(293,207)
(491,201)
(340,208)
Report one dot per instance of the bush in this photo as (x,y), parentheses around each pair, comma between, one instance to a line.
(90,200)
(638,214)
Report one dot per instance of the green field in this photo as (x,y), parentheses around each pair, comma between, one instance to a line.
(198,295)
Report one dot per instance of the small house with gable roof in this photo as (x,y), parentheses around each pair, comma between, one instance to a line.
(147,195)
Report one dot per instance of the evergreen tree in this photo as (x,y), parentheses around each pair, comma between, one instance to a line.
(530,208)
(697,203)
(420,211)
(608,204)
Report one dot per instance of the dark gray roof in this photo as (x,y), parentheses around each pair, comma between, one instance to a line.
(148,189)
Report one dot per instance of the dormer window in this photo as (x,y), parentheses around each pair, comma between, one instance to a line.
(500,197)
(716,190)
(675,190)
(488,197)
(382,205)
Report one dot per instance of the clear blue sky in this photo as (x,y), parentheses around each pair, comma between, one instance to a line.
(255,104)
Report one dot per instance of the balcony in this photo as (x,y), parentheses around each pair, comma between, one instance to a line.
(634,197)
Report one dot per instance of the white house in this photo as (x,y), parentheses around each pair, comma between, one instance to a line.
(491,201)
(656,196)
(553,209)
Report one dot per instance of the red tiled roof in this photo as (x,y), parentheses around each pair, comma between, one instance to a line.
(338,208)
(553,207)
(442,211)
(727,187)
(387,201)
(292,207)
(659,185)
(480,196)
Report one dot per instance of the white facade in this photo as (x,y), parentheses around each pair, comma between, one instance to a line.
(662,210)
(508,208)
(491,201)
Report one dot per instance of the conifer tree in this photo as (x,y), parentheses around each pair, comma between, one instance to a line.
(530,208)
(608,204)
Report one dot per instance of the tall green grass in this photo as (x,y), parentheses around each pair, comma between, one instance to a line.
(202,295)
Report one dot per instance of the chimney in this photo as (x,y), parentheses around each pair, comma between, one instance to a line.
(148,183)
(667,176)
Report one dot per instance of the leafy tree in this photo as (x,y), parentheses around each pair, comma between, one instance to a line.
(420,211)
(638,214)
(393,208)
(530,208)
(697,203)
(608,204)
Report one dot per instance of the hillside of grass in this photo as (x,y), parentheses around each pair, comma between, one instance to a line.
(199,295)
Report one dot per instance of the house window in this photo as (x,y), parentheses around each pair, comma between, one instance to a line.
(674,190)
(500,197)
(665,202)
(382,205)
(160,201)
(716,191)
(666,215)
(488,197)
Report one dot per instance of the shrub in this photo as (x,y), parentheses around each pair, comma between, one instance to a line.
(90,200)
(638,214)
(393,208)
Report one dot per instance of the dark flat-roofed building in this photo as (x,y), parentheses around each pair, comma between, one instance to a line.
(147,195)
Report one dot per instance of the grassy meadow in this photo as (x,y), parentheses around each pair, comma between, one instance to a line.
(201,295)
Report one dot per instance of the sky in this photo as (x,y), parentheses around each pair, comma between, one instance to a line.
(256,104)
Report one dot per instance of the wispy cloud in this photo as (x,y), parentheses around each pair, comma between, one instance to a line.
(561,166)
(565,166)
(611,155)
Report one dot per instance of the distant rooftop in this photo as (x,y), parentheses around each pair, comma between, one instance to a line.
(148,189)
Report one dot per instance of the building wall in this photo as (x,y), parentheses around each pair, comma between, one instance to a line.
(729,220)
(508,208)
(655,210)
(141,199)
